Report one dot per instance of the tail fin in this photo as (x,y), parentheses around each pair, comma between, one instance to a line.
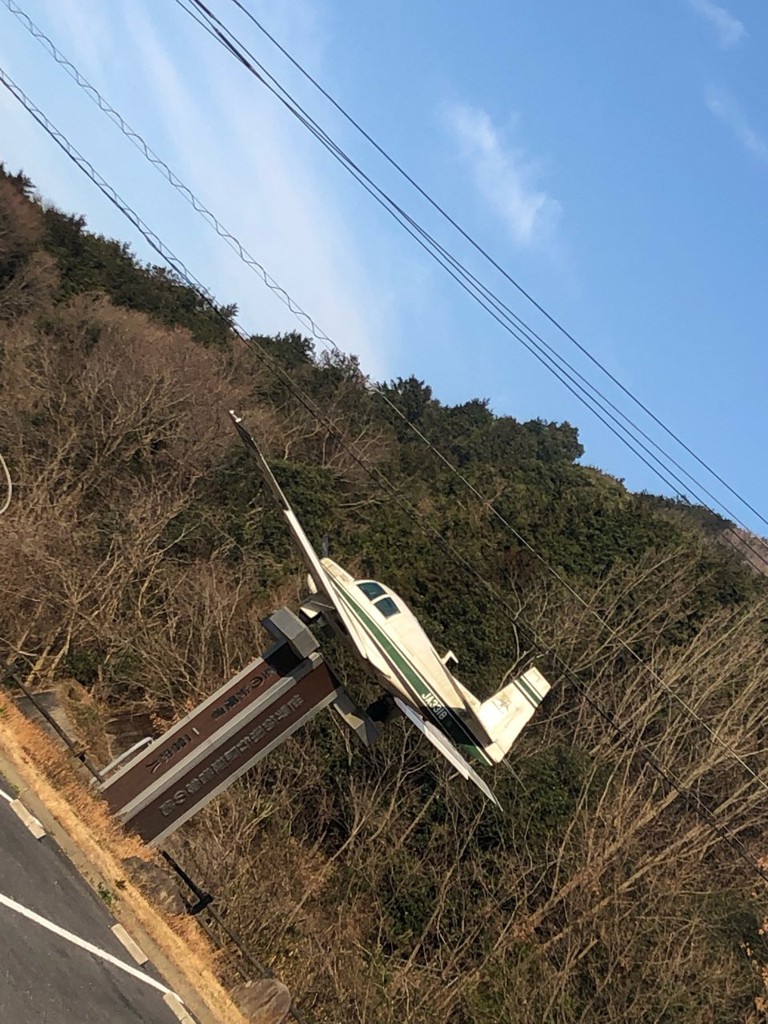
(506,713)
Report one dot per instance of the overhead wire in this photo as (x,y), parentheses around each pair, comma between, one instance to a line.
(283,295)
(690,797)
(477,291)
(543,352)
(565,377)
(490,259)
(141,145)
(500,312)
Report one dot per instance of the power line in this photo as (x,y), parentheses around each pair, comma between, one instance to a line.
(541,350)
(489,258)
(669,778)
(141,145)
(503,315)
(137,140)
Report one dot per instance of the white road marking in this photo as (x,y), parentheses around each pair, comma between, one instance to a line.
(19,908)
(6,797)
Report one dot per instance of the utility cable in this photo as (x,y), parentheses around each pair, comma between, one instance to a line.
(218,30)
(468,281)
(488,257)
(690,797)
(568,376)
(564,376)
(446,462)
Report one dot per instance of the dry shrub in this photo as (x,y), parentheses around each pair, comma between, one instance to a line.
(28,277)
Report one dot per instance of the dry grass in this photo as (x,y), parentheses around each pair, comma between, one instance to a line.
(54,780)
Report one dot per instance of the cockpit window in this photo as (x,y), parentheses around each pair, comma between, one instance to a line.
(371,589)
(387,606)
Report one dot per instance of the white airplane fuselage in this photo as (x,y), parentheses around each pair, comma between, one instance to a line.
(405,661)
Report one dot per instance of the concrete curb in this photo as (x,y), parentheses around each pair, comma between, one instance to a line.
(133,947)
(59,837)
(28,819)
(177,1008)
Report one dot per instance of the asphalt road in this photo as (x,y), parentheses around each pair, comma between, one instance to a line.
(47,978)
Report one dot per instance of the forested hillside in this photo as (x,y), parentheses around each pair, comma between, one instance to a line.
(139,554)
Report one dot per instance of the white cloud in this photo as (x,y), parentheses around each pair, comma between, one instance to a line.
(261,174)
(730,31)
(504,176)
(84,25)
(245,159)
(727,110)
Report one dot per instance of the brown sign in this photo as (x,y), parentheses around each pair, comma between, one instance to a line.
(209,718)
(240,750)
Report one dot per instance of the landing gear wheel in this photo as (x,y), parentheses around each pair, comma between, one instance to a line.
(382,710)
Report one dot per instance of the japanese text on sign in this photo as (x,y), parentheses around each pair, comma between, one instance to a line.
(222,763)
(235,698)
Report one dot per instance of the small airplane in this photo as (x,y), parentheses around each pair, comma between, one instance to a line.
(388,638)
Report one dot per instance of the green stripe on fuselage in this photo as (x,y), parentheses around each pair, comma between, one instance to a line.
(451,725)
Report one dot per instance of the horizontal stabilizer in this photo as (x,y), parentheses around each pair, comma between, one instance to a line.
(446,748)
(504,715)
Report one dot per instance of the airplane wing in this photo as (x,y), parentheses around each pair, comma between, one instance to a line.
(447,749)
(314,565)
(325,586)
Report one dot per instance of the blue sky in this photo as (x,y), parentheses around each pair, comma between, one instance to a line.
(612,157)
